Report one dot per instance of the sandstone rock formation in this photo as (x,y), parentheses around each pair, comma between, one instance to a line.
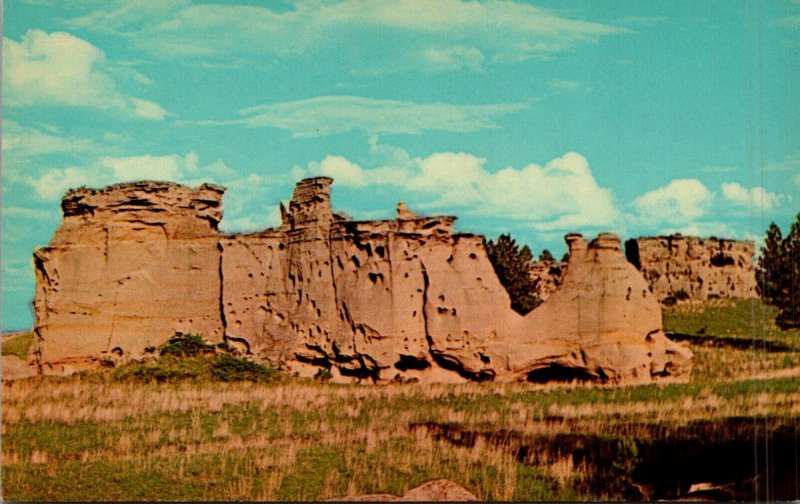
(688,267)
(547,276)
(402,299)
(131,265)
(441,490)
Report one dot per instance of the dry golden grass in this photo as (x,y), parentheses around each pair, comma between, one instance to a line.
(98,438)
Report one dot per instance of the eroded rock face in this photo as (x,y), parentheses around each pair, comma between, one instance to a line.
(131,265)
(686,267)
(403,299)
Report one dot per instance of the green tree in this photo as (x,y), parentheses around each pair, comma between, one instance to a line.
(546,256)
(778,273)
(769,265)
(513,267)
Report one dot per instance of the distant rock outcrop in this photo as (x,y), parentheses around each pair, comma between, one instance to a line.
(403,299)
(680,267)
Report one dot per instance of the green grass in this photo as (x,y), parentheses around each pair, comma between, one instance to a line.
(18,345)
(738,318)
(193,425)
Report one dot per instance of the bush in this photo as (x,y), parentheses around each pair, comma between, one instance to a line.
(513,268)
(323,375)
(681,295)
(230,368)
(190,345)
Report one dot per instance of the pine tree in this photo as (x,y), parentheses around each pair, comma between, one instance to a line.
(778,273)
(769,265)
(789,317)
(513,266)
(546,256)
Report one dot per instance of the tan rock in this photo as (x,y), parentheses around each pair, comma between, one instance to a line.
(130,266)
(437,491)
(687,267)
(405,299)
(441,490)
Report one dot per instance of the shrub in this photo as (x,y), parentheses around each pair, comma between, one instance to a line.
(323,375)
(189,345)
(513,268)
(681,295)
(230,368)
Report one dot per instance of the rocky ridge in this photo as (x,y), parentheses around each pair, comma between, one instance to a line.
(402,299)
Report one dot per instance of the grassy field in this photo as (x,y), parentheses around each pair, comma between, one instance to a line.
(116,436)
(18,344)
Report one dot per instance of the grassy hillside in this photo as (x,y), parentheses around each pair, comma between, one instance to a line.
(117,436)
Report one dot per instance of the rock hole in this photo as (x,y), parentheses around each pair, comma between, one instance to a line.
(355,261)
(559,373)
(407,362)
(472,255)
(380,250)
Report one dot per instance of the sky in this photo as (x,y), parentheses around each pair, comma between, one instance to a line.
(529,118)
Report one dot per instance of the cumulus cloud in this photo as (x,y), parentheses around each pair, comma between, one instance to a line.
(61,69)
(503,30)
(53,183)
(680,202)
(560,195)
(753,198)
(326,115)
(247,199)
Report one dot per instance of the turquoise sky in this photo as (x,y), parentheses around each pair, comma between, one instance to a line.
(532,118)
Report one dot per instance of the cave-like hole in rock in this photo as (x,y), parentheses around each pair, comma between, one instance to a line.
(407,362)
(559,373)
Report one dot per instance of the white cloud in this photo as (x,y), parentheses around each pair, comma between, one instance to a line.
(326,115)
(563,85)
(23,141)
(61,69)
(561,195)
(503,30)
(753,198)
(790,163)
(454,58)
(53,183)
(680,202)
(27,213)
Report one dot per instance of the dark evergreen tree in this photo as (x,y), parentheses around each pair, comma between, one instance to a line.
(769,265)
(778,273)
(546,256)
(513,267)
(789,317)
